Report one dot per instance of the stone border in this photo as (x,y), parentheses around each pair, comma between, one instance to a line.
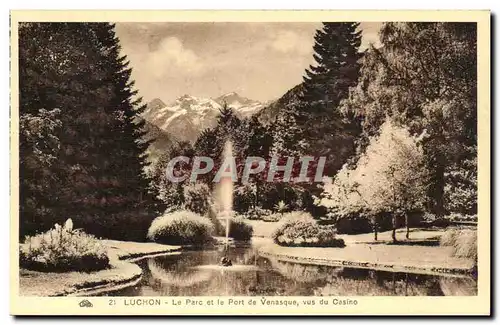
(453,272)
(110,286)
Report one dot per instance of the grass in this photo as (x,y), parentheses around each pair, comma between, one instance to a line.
(423,259)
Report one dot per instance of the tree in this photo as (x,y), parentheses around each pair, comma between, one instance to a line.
(260,142)
(323,128)
(77,68)
(391,176)
(39,147)
(424,76)
(172,193)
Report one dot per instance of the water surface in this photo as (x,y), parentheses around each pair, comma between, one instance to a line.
(196,273)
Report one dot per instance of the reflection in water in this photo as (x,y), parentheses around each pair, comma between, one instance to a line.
(194,274)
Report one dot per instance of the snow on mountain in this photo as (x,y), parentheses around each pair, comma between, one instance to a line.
(244,106)
(187,116)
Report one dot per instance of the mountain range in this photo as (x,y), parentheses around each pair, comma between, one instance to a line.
(187,116)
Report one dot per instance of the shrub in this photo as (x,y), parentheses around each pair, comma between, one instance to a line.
(430,219)
(459,217)
(240,230)
(353,224)
(272,217)
(131,225)
(181,227)
(300,229)
(62,249)
(257,213)
(463,241)
(297,215)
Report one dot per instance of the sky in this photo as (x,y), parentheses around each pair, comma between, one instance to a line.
(260,61)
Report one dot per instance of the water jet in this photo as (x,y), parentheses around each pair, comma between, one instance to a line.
(225,198)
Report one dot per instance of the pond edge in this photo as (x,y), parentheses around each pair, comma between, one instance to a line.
(450,272)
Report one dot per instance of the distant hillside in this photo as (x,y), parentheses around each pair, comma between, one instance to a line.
(289,99)
(162,141)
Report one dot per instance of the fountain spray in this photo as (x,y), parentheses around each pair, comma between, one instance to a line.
(226,195)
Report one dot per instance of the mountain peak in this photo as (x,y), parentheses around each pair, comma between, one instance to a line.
(231,94)
(186,97)
(156,104)
(235,100)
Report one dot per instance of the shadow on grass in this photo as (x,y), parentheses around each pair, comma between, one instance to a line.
(426,242)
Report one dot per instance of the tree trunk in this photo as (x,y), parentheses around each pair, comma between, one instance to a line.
(256,201)
(375,228)
(407,226)
(394,221)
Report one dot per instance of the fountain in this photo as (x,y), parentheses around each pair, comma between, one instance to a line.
(225,197)
(224,200)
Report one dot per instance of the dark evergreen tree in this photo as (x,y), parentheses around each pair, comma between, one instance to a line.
(326,84)
(127,151)
(316,125)
(77,69)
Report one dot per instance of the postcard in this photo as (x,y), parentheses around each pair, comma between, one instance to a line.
(250,163)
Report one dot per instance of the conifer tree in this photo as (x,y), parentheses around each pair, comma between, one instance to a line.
(77,70)
(317,125)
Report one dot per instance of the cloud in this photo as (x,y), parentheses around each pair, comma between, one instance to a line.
(287,41)
(170,57)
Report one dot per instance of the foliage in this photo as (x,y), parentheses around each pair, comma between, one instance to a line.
(181,227)
(197,198)
(463,241)
(458,217)
(391,176)
(40,145)
(63,249)
(424,76)
(460,190)
(300,229)
(257,213)
(281,207)
(240,230)
(172,193)
(76,86)
(353,224)
(314,125)
(131,225)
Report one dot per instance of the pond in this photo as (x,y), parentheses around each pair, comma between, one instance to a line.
(195,273)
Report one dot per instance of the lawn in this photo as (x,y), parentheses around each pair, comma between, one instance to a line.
(420,253)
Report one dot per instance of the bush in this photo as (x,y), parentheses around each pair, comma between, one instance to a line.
(353,224)
(181,227)
(257,214)
(129,225)
(240,230)
(431,220)
(463,241)
(300,229)
(459,217)
(272,217)
(62,249)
